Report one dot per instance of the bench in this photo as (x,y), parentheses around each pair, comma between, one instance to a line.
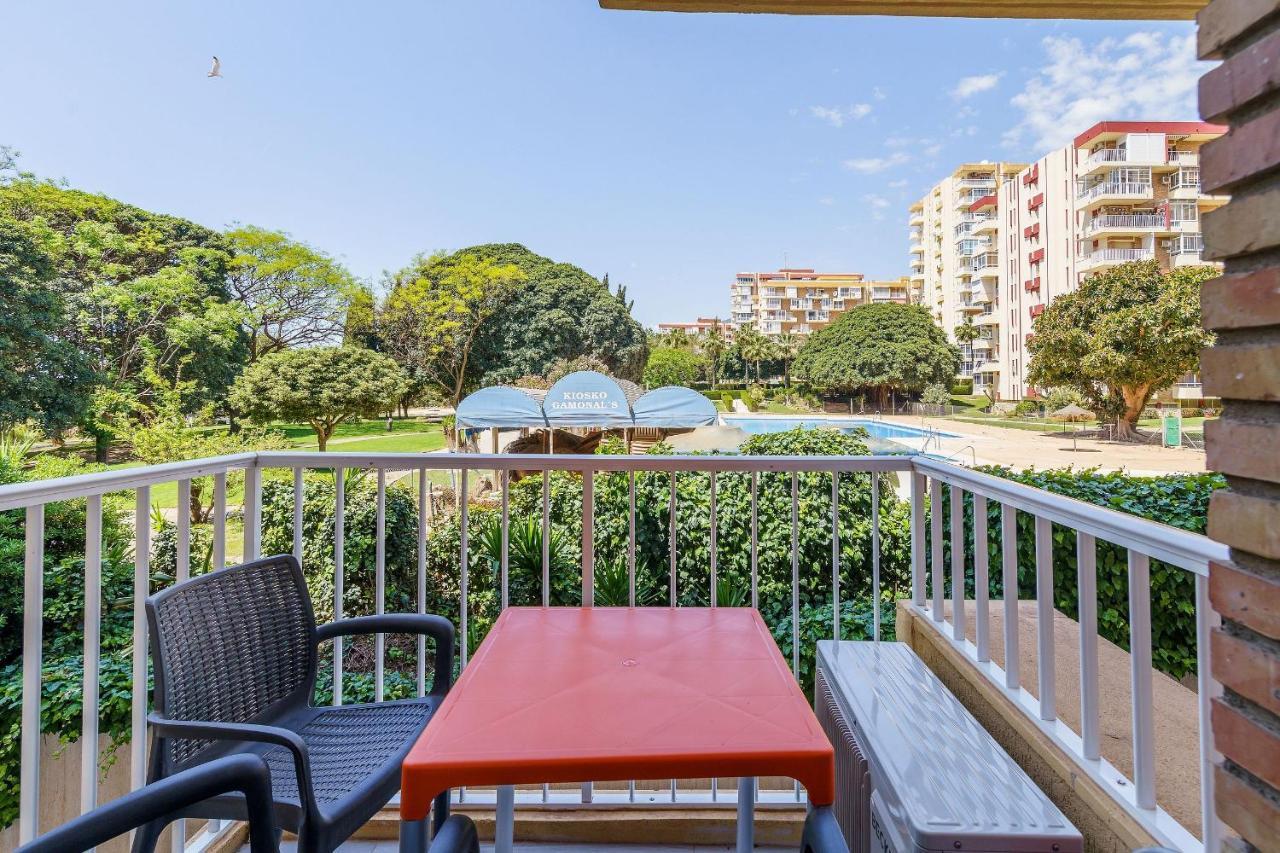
(915,771)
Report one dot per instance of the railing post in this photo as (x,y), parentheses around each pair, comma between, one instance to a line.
(1087,585)
(981,579)
(1044,618)
(588,538)
(141,589)
(92,654)
(957,564)
(379,580)
(935,535)
(918,486)
(252,512)
(1144,762)
(1009,579)
(339,541)
(32,663)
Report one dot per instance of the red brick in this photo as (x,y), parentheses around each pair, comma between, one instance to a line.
(1245,597)
(1243,449)
(1242,371)
(1224,21)
(1250,744)
(1250,223)
(1246,76)
(1247,150)
(1252,813)
(1246,522)
(1247,668)
(1241,301)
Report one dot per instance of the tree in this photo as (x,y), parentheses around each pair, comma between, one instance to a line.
(1126,333)
(753,347)
(43,377)
(788,345)
(138,287)
(669,366)
(556,312)
(712,345)
(879,348)
(436,310)
(966,332)
(292,294)
(322,387)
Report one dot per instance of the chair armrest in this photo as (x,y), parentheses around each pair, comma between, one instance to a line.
(247,732)
(247,774)
(436,627)
(822,833)
(458,835)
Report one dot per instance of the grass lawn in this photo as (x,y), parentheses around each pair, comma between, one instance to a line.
(775,408)
(414,435)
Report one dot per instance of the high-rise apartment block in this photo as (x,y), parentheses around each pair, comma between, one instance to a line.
(1122,191)
(956,258)
(801,301)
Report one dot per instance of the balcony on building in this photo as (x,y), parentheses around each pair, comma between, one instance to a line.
(1101,258)
(1133,222)
(986,264)
(1185,250)
(1116,188)
(1184,184)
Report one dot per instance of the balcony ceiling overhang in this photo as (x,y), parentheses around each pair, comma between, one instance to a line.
(1107,10)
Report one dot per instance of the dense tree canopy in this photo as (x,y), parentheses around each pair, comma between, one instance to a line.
(879,349)
(670,366)
(558,312)
(323,387)
(43,377)
(1126,333)
(141,291)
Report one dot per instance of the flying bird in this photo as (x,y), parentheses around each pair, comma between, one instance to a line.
(216,70)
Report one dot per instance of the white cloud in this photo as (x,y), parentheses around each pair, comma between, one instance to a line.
(838,116)
(1144,75)
(877,201)
(970,86)
(898,184)
(878,93)
(871,165)
(826,200)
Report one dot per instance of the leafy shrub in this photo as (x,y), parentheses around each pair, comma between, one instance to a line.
(1061,397)
(754,398)
(962,387)
(856,623)
(727,399)
(936,395)
(1026,408)
(1179,500)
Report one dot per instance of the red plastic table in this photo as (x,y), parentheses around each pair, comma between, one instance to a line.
(611,693)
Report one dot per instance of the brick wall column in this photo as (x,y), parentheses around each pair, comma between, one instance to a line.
(1243,308)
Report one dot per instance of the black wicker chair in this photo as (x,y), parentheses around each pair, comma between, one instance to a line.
(159,803)
(822,833)
(235,659)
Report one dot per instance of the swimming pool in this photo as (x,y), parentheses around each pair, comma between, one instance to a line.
(875,429)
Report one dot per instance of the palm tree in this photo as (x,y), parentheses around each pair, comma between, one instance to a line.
(752,347)
(787,345)
(966,332)
(712,344)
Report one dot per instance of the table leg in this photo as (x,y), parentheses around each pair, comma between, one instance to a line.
(746,813)
(504,830)
(413,836)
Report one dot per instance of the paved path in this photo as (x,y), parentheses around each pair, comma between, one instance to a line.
(1018,448)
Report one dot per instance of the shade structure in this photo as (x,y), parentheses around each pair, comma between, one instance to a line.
(674,406)
(587,399)
(1071,412)
(502,407)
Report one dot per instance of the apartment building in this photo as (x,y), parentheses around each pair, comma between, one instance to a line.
(801,301)
(1122,191)
(700,326)
(956,258)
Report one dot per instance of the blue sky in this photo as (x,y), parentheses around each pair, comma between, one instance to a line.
(667,150)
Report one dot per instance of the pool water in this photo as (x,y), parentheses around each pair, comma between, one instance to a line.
(875,429)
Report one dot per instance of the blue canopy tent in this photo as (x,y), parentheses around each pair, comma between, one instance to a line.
(673,406)
(585,399)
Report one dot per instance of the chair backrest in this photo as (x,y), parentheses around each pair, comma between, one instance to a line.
(235,645)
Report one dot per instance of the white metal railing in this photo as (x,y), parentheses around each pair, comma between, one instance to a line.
(1114,188)
(1126,220)
(1117,255)
(981,183)
(1187,244)
(1189,157)
(928,477)
(1107,155)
